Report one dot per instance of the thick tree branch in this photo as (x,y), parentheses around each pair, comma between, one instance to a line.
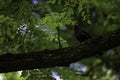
(61,57)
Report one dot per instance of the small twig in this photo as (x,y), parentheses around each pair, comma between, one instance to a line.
(59,42)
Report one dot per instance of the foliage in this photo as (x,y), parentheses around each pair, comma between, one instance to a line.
(9,76)
(26,25)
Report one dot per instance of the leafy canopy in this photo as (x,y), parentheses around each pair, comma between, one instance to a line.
(31,25)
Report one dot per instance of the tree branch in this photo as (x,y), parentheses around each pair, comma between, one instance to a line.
(61,57)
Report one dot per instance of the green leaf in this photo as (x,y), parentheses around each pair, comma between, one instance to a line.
(1,41)
(24,74)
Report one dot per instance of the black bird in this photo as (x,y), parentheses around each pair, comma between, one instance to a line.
(80,33)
